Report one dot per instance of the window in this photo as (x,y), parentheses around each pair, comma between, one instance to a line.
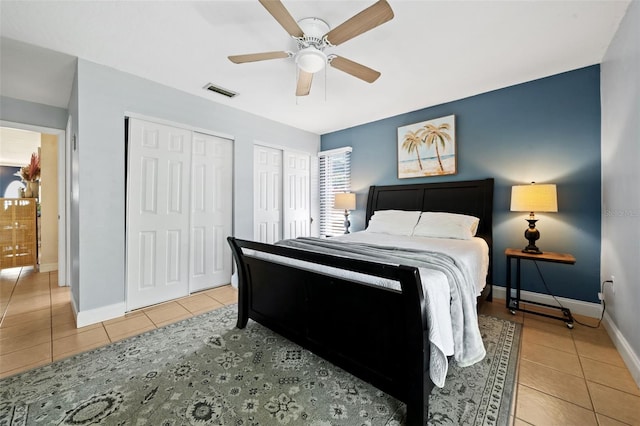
(335,176)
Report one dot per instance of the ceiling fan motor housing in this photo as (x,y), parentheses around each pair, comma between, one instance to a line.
(314,30)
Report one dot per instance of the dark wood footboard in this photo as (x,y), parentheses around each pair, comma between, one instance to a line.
(377,334)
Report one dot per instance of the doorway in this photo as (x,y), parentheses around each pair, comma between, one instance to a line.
(54,195)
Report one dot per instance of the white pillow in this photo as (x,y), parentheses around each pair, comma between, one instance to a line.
(446,225)
(394,222)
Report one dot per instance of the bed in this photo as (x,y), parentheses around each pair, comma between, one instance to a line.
(379,334)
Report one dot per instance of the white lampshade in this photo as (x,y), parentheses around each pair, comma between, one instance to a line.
(534,198)
(311,60)
(345,201)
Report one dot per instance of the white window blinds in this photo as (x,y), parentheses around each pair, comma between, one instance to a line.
(335,176)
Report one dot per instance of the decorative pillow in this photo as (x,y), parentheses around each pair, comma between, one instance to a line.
(446,225)
(394,222)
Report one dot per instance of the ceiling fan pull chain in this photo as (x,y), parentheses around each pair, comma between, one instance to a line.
(325,84)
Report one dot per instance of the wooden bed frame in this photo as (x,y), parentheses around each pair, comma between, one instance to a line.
(377,334)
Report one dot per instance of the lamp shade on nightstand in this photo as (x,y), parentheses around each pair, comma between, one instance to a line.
(533,198)
(345,201)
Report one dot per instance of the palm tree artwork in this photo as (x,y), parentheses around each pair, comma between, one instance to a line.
(431,135)
(411,143)
(427,148)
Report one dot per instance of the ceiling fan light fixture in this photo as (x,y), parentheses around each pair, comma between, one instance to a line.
(311,60)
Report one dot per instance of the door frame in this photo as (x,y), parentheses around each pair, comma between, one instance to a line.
(64,187)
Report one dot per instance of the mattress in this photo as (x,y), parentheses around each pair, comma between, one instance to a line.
(471,255)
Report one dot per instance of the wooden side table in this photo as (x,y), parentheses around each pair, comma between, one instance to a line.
(513,303)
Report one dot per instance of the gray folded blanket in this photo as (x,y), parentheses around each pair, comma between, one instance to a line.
(468,345)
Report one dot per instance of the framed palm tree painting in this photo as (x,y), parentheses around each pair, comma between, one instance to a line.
(427,148)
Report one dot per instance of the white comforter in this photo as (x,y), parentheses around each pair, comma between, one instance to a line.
(471,257)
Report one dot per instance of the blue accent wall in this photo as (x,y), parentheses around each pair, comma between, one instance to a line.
(547,131)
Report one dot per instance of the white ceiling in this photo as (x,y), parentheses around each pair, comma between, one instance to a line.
(430,53)
(16,146)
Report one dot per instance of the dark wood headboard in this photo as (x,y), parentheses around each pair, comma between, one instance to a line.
(471,197)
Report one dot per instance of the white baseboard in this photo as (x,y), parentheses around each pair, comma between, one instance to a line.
(630,358)
(93,316)
(48,267)
(588,309)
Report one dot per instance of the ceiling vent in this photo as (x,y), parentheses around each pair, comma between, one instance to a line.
(217,89)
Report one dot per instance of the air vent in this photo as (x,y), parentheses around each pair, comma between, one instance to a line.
(217,89)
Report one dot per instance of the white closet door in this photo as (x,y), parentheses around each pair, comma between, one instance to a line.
(297,195)
(267,194)
(158,213)
(211,207)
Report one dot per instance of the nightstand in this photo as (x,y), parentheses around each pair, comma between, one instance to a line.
(513,303)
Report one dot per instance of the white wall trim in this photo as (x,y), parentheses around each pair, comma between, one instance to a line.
(284,148)
(48,267)
(103,313)
(336,151)
(33,128)
(588,309)
(630,358)
(594,310)
(180,125)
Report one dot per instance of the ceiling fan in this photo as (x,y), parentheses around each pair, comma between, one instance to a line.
(314,35)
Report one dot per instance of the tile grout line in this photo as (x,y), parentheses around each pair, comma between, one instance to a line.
(51,318)
(583,378)
(557,397)
(593,406)
(15,284)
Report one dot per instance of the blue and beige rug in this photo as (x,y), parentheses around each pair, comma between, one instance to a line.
(204,371)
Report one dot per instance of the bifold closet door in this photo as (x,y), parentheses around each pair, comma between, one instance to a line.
(297,195)
(157,213)
(267,194)
(211,210)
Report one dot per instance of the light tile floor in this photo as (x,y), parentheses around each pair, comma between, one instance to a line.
(37,325)
(566,377)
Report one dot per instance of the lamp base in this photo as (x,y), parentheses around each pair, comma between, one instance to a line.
(346,222)
(531,250)
(532,235)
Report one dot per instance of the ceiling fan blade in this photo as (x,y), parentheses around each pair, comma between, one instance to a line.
(254,57)
(371,17)
(355,69)
(304,83)
(282,15)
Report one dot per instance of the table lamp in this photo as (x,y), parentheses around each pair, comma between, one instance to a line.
(533,198)
(345,201)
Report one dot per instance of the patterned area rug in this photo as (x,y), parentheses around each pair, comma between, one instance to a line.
(204,371)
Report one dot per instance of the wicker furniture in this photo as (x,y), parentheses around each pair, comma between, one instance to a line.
(18,232)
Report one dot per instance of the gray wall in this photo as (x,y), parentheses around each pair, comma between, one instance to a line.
(74,263)
(620,176)
(18,111)
(104,97)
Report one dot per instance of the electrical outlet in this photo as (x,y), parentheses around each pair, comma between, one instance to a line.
(611,281)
